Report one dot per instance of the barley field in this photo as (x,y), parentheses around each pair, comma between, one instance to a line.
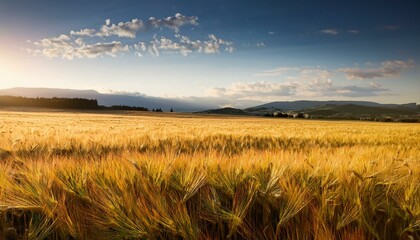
(179,176)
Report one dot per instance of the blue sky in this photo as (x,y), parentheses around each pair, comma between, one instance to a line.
(231,50)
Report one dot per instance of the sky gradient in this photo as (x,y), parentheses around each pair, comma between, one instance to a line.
(234,50)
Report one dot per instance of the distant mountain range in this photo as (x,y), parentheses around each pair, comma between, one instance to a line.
(299,105)
(325,109)
(197,104)
(404,109)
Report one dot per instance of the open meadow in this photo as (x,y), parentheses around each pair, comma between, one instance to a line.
(183,176)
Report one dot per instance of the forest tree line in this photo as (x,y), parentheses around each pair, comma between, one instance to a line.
(63,103)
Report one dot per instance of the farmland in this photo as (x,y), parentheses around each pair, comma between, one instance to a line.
(182,176)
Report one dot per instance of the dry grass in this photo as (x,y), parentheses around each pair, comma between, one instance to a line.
(99,176)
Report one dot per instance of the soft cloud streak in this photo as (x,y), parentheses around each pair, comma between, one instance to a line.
(387,69)
(274,72)
(240,90)
(305,82)
(329,31)
(183,45)
(264,89)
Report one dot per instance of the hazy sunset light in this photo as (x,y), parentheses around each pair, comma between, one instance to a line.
(325,50)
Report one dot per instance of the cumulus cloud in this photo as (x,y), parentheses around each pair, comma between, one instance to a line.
(79,41)
(62,40)
(99,49)
(303,83)
(130,28)
(81,44)
(122,29)
(387,69)
(64,47)
(84,32)
(70,48)
(183,45)
(174,22)
(329,31)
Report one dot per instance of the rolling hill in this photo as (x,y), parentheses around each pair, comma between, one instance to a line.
(227,111)
(329,110)
(305,104)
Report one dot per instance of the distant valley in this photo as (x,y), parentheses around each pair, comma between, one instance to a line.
(363,110)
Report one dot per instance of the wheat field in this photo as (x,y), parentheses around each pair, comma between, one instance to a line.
(181,176)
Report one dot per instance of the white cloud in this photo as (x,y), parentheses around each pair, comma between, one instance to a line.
(253,45)
(127,29)
(303,82)
(353,31)
(387,69)
(84,33)
(99,49)
(329,31)
(174,22)
(130,28)
(241,90)
(271,33)
(61,40)
(306,72)
(64,47)
(70,48)
(79,41)
(74,45)
(184,45)
(313,74)
(122,92)
(153,50)
(274,90)
(274,72)
(141,46)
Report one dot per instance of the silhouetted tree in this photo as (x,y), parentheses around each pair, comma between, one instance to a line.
(300,115)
